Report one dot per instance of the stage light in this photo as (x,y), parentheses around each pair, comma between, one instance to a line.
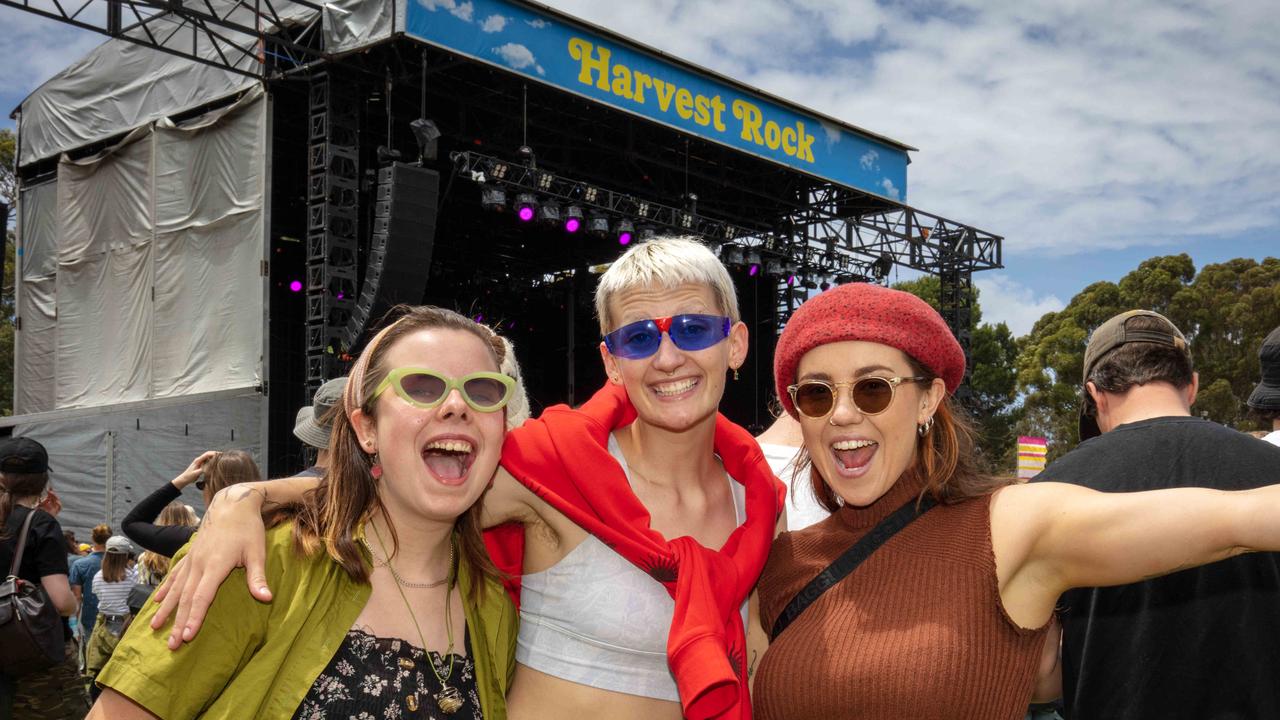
(643,209)
(647,232)
(754,270)
(624,230)
(774,268)
(493,198)
(295,286)
(882,266)
(525,204)
(499,170)
(732,254)
(598,225)
(590,194)
(545,180)
(824,286)
(549,212)
(791,281)
(572,219)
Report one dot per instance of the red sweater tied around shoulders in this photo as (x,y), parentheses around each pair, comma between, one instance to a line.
(563,457)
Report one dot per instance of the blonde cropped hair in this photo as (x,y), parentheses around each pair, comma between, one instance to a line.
(666,262)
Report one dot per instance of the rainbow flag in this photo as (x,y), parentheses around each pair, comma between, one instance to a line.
(1031,456)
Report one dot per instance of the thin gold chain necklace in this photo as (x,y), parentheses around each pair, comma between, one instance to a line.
(386,562)
(449,700)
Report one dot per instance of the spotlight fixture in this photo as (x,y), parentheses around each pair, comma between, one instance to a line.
(572,219)
(882,266)
(525,206)
(625,230)
(545,180)
(590,193)
(499,170)
(549,212)
(642,209)
(773,267)
(754,270)
(647,232)
(598,225)
(732,255)
(493,198)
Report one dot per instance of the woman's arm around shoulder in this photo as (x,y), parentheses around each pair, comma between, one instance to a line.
(231,535)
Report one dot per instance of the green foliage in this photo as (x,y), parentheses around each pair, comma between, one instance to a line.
(993,362)
(8,188)
(1225,311)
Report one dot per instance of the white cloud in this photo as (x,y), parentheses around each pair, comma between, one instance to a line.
(518,57)
(537,24)
(494,24)
(35,49)
(890,190)
(462,11)
(869,160)
(1005,300)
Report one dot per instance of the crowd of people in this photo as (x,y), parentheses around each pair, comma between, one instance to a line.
(641,556)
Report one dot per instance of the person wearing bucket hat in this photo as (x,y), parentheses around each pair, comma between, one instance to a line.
(315,423)
(1264,401)
(966,561)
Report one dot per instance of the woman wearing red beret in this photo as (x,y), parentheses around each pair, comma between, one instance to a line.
(948,617)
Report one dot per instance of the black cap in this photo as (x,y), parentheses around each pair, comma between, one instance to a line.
(23,455)
(1266,395)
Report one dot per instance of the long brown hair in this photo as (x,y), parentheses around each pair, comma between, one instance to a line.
(347,495)
(15,486)
(114,565)
(945,461)
(229,468)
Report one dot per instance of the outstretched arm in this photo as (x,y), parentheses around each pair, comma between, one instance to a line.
(231,535)
(1050,537)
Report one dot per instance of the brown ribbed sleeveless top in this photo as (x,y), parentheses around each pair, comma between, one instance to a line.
(917,631)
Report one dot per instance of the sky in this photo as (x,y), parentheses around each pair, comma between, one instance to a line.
(1090,135)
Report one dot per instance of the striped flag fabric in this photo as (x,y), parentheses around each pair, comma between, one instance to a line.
(1031,456)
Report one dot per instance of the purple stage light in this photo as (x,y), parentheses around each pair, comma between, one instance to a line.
(754,270)
(339,295)
(296,286)
(525,214)
(572,225)
(478,318)
(791,280)
(624,238)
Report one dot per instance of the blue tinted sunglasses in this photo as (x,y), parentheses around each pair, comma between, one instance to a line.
(639,340)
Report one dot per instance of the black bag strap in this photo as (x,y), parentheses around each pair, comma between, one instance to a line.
(22,543)
(850,560)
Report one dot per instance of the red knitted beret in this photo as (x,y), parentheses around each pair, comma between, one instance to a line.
(861,311)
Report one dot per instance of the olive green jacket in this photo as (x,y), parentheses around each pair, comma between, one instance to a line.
(258,660)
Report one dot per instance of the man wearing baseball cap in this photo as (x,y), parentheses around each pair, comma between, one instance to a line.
(1264,401)
(315,421)
(1198,643)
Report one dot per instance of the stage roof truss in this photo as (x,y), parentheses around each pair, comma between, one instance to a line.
(256,38)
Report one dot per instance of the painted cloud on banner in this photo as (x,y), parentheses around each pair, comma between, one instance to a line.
(463,11)
(494,24)
(518,57)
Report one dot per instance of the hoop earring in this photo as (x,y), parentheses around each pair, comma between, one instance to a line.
(376,469)
(923,428)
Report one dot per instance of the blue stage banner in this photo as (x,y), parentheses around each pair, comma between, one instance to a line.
(583,61)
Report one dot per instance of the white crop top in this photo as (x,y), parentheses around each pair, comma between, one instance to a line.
(595,619)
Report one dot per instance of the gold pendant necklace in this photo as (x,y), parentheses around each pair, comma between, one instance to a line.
(449,700)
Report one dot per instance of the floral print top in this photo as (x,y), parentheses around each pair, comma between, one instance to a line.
(375,678)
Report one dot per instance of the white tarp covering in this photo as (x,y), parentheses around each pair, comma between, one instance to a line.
(102,462)
(37,265)
(158,290)
(120,85)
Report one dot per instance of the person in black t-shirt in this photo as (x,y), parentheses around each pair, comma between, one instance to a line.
(1200,643)
(57,692)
